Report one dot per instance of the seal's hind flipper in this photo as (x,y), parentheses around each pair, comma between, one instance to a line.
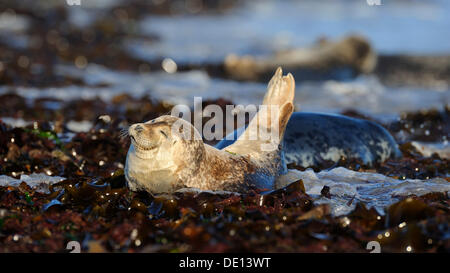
(280,90)
(268,126)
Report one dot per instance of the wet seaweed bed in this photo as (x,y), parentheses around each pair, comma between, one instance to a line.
(107,217)
(93,205)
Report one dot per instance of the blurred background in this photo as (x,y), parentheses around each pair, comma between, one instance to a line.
(349,55)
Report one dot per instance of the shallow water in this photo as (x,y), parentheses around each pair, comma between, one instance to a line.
(364,94)
(261,27)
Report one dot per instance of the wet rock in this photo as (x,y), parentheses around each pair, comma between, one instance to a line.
(326,192)
(408,210)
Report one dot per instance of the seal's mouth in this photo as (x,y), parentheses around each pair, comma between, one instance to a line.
(139,146)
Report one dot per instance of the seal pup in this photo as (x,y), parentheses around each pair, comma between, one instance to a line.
(312,138)
(167,153)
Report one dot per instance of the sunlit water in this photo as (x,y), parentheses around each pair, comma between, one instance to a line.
(364,94)
(261,27)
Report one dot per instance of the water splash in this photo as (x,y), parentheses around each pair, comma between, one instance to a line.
(373,189)
(38,181)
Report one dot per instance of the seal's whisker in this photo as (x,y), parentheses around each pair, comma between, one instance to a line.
(123,133)
(168,113)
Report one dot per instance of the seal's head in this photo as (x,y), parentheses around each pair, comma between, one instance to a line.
(148,136)
(166,132)
(161,151)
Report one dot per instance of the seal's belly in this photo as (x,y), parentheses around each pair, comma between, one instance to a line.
(312,138)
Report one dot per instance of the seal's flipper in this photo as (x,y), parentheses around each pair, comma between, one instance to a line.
(281,89)
(268,126)
(280,93)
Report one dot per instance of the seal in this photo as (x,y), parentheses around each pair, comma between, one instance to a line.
(167,153)
(312,138)
(350,55)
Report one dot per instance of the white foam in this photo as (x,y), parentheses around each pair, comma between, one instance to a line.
(175,88)
(79,126)
(364,94)
(74,126)
(367,95)
(427,149)
(15,122)
(375,190)
(13,23)
(13,29)
(38,181)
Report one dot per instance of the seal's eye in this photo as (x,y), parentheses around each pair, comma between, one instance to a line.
(139,128)
(162,132)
